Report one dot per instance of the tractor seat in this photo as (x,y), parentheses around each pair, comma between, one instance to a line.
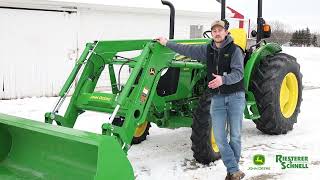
(239,36)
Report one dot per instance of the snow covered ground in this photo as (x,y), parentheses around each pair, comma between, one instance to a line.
(166,154)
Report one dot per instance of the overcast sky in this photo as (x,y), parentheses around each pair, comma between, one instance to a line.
(295,13)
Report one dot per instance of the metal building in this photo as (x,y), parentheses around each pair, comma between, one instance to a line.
(41,40)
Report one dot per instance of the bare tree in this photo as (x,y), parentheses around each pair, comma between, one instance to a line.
(280,32)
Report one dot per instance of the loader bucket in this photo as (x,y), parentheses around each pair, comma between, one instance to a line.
(35,150)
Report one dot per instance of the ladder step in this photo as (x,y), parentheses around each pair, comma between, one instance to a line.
(254,116)
(250,103)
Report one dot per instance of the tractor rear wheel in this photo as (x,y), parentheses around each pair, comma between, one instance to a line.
(204,147)
(277,87)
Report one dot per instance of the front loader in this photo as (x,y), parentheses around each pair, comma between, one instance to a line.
(163,88)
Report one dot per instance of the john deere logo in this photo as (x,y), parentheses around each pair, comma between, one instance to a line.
(152,71)
(259,159)
(259,163)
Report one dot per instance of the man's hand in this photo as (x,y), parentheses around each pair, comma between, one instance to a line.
(216,82)
(162,40)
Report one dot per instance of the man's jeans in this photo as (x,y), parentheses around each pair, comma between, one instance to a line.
(228,108)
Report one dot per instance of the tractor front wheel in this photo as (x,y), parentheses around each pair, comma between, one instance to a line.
(140,133)
(204,147)
(277,87)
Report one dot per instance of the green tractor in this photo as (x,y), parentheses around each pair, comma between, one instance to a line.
(177,98)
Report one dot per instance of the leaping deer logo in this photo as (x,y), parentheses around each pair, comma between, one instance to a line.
(259,159)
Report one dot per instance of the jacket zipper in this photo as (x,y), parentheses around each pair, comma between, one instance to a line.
(217,67)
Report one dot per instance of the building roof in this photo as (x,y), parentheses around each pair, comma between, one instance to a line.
(203,8)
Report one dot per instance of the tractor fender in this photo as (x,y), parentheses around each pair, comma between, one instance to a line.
(255,59)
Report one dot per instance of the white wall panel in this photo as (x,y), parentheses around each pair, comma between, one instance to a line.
(109,25)
(34,51)
(36,46)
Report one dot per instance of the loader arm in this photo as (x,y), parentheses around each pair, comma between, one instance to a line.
(34,150)
(134,100)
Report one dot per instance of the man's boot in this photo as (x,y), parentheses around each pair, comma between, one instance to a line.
(237,175)
(228,177)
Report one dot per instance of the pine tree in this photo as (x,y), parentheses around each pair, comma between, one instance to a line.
(300,37)
(303,37)
(294,39)
(307,37)
(314,41)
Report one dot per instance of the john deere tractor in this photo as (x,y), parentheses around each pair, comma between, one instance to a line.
(163,88)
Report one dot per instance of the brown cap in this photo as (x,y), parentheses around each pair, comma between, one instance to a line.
(218,23)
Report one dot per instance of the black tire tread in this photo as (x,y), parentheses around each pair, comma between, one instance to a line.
(266,84)
(201,132)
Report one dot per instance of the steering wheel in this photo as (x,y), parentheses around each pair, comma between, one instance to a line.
(205,34)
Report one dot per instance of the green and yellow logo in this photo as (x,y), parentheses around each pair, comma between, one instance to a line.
(259,159)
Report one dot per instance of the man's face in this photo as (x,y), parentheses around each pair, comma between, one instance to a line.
(218,33)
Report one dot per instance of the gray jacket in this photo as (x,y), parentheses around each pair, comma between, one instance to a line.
(199,52)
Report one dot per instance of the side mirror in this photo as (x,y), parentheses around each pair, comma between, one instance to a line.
(254,33)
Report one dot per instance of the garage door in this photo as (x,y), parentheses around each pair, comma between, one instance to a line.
(37,51)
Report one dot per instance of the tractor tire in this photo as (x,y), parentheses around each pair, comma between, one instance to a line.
(141,132)
(277,87)
(203,146)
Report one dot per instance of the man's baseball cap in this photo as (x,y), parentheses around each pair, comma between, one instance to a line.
(221,23)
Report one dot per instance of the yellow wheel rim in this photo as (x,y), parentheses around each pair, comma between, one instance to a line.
(289,95)
(213,142)
(140,129)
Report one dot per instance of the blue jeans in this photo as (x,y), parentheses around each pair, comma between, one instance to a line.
(228,109)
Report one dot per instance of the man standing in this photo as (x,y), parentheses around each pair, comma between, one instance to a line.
(224,62)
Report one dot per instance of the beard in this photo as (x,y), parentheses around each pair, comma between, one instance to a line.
(218,41)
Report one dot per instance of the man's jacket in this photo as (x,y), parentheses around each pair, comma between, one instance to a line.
(226,61)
